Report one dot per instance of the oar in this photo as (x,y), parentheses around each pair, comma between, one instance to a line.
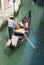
(31,43)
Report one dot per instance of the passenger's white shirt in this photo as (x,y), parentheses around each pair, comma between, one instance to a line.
(10,23)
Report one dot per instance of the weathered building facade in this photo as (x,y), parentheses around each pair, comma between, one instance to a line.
(6,9)
(5,6)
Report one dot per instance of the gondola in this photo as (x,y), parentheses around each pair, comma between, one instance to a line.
(26,21)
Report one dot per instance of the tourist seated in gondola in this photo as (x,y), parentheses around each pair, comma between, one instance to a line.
(21,25)
(22,28)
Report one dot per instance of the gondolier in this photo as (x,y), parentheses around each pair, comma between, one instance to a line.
(10,26)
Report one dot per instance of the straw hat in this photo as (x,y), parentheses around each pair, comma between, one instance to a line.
(11,16)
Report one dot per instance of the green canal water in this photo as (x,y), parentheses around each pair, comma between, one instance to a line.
(25,54)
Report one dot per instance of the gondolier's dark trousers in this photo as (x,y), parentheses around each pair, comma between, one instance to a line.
(10,32)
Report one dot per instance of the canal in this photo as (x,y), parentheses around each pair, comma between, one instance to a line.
(25,54)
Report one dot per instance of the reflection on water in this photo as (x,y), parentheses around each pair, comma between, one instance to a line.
(16,54)
(38,59)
